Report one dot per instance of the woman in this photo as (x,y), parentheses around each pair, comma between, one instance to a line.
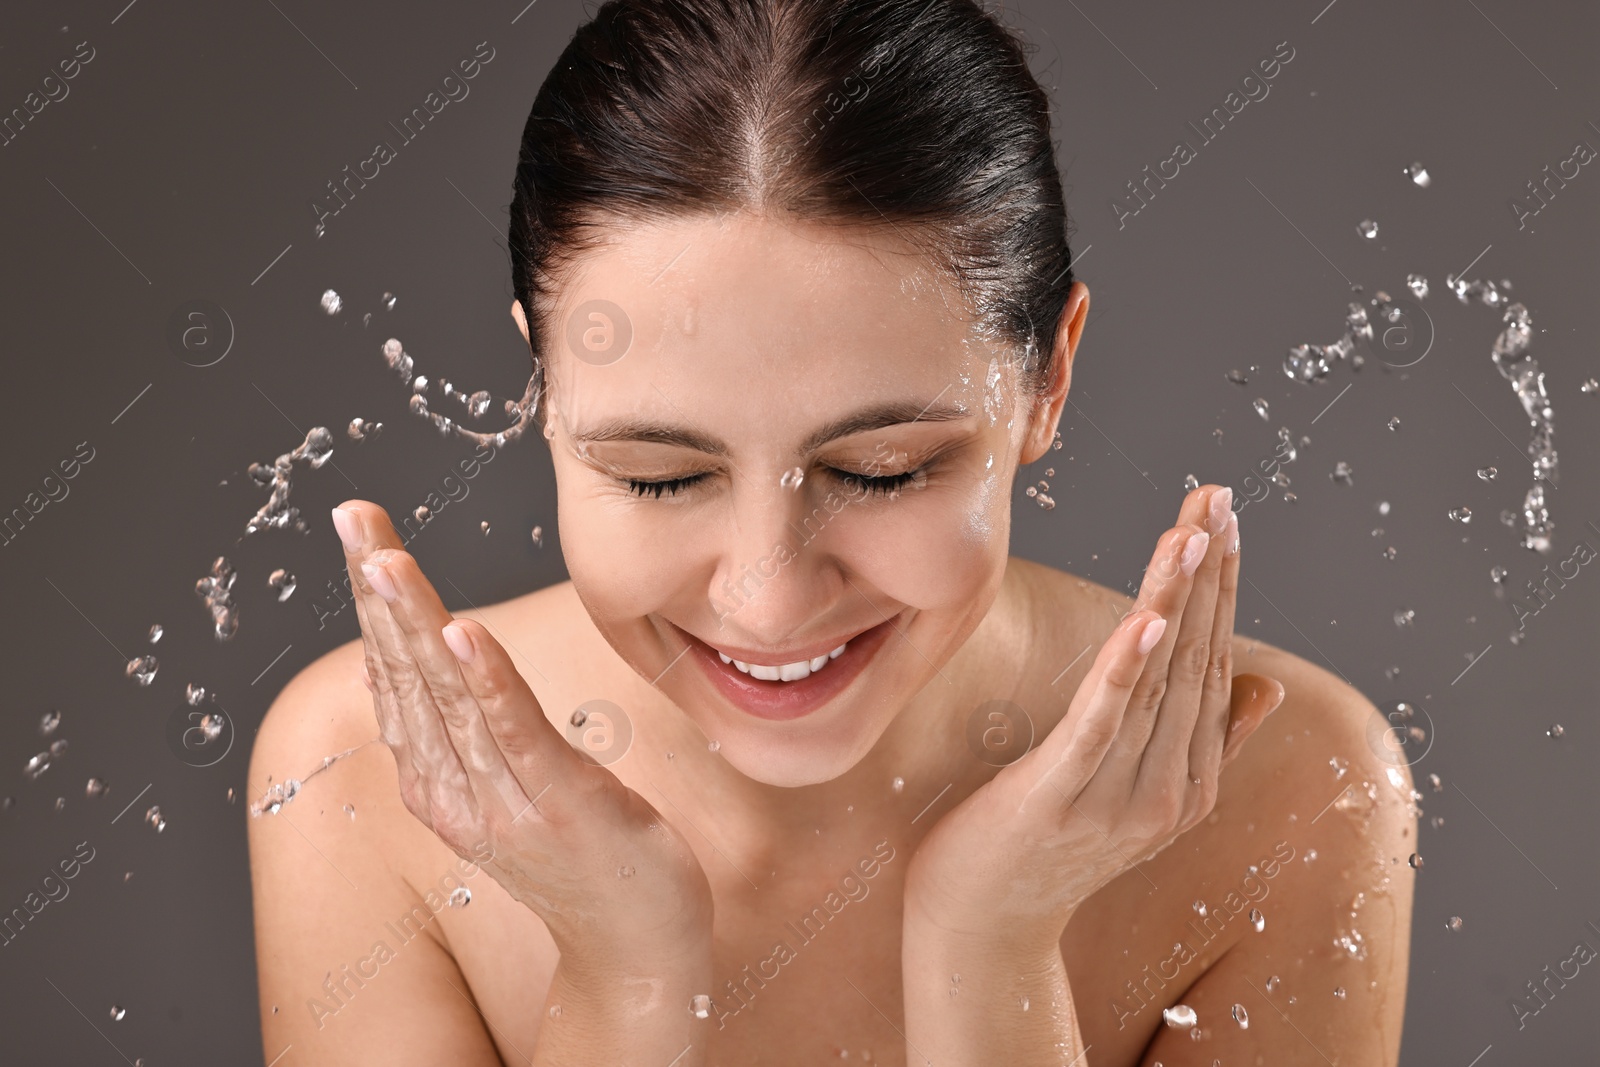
(856,784)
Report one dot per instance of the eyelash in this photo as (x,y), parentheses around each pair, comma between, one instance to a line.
(872,485)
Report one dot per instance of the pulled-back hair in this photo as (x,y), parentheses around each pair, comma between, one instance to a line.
(916,116)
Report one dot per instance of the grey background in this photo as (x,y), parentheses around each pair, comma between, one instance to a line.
(181,165)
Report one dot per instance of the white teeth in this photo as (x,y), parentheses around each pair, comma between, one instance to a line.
(785,672)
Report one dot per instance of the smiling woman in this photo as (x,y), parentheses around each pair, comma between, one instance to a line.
(851,317)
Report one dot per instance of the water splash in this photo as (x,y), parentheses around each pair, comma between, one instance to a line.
(280,793)
(277,512)
(474,405)
(1511,359)
(216,589)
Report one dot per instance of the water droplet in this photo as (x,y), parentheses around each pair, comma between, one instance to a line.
(1339,992)
(713,746)
(483,527)
(1306,363)
(388,301)
(1419,174)
(36,766)
(1436,783)
(538,536)
(555,1011)
(1241,1016)
(350,810)
(283,582)
(1339,765)
(332,302)
(1453,924)
(142,669)
(1310,856)
(792,478)
(1556,731)
(1404,618)
(1260,406)
(153,818)
(1024,1003)
(1487,473)
(1258,920)
(1199,907)
(1217,433)
(1368,229)
(1272,983)
(1383,507)
(1497,575)
(1461,515)
(423,513)
(1418,286)
(48,722)
(1590,387)
(898,785)
(460,897)
(1191,482)
(95,788)
(1238,377)
(700,1006)
(155,633)
(1342,473)
(624,872)
(1389,553)
(118,1013)
(1415,861)
(1180,1017)
(1394,423)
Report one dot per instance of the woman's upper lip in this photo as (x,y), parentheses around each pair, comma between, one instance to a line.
(778,659)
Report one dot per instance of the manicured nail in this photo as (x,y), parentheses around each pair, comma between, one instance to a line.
(1152,633)
(1194,552)
(1221,507)
(460,642)
(348,528)
(381,583)
(1231,538)
(1274,702)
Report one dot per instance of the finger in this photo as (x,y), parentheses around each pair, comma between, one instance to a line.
(1254,697)
(434,638)
(444,778)
(364,527)
(1166,757)
(1211,729)
(1071,755)
(1167,583)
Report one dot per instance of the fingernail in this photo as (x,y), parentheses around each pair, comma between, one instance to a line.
(1152,633)
(1221,507)
(1194,552)
(381,583)
(1273,706)
(1231,538)
(348,528)
(460,642)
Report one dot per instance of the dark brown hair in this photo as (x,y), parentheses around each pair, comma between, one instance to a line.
(916,115)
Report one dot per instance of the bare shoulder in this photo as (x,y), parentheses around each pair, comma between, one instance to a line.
(348,885)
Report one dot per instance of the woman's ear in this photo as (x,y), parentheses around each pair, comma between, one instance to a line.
(522,320)
(1048,404)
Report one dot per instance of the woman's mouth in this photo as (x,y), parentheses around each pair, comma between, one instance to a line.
(767,688)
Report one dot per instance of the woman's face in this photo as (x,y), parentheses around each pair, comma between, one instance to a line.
(837,448)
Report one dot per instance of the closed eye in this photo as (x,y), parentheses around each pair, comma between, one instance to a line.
(672,486)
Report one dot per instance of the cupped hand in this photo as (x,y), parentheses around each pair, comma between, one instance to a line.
(1132,765)
(481,766)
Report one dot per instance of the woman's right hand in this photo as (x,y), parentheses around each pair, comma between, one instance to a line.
(481,766)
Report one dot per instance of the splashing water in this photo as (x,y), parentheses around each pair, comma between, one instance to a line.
(277,513)
(280,793)
(283,582)
(475,405)
(1511,359)
(142,669)
(216,589)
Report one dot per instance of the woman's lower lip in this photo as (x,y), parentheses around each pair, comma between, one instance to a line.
(779,701)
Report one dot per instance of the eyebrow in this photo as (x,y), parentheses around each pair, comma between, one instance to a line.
(895,413)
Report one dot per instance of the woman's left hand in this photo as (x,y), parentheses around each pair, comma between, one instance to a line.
(1132,765)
